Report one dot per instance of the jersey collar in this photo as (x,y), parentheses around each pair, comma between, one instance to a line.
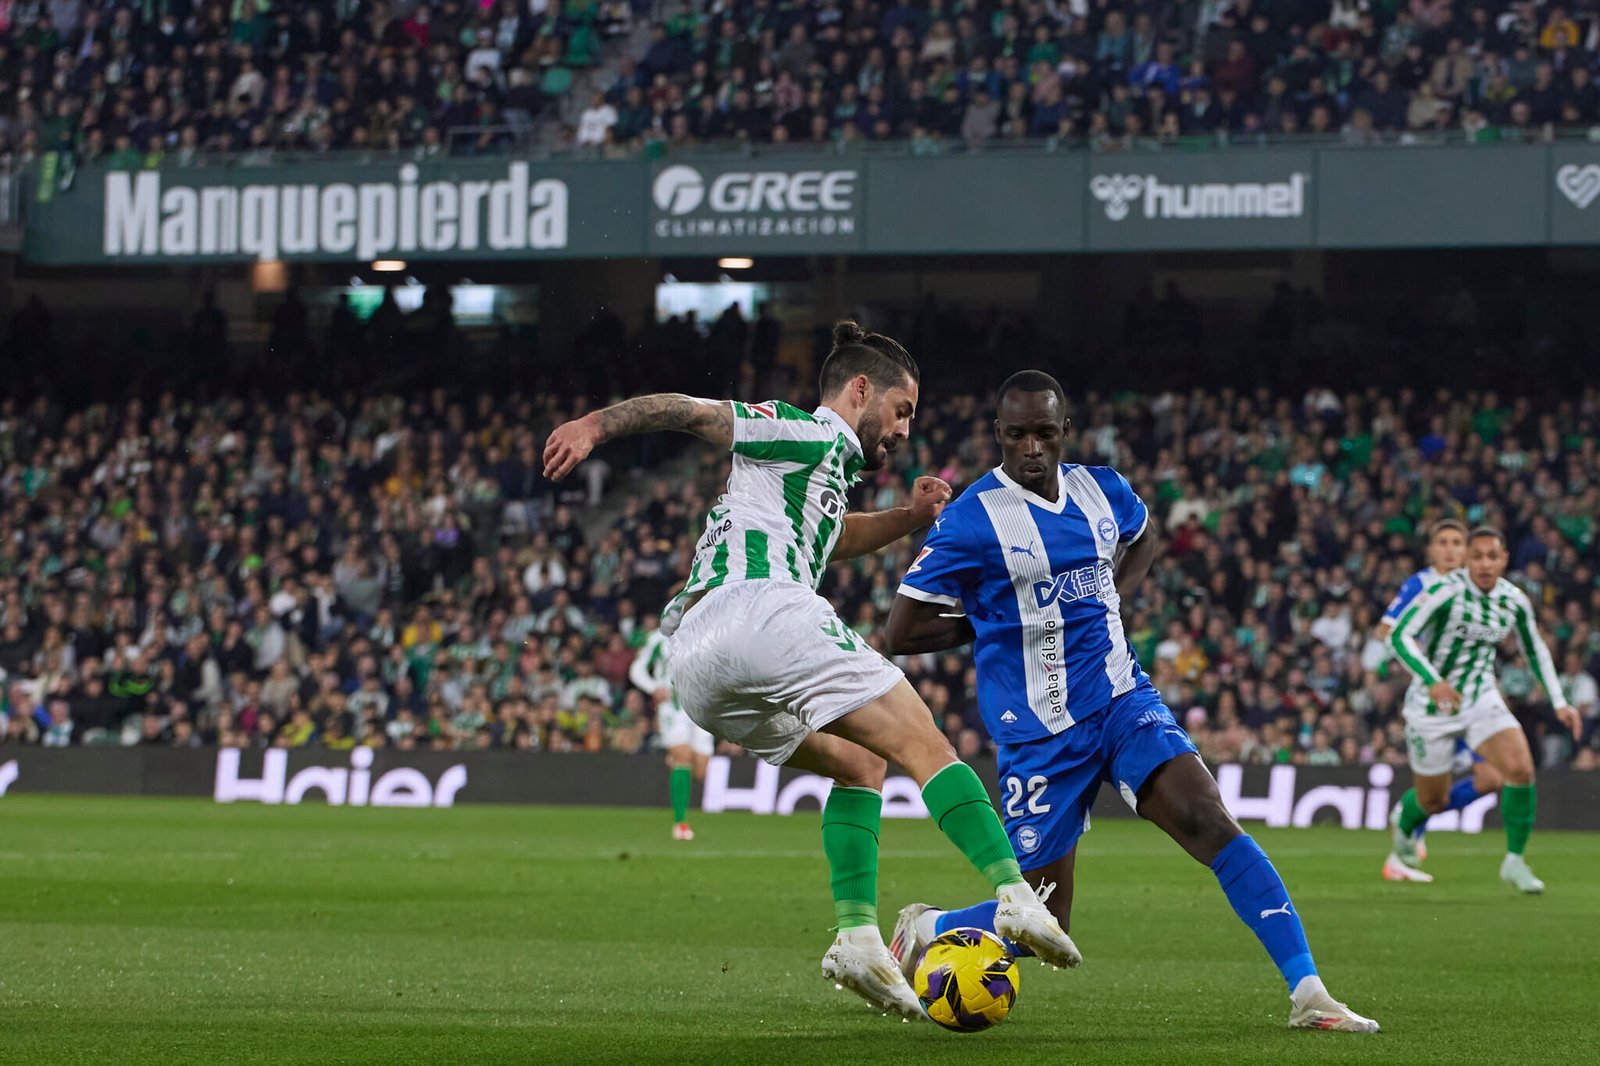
(829,414)
(1034,498)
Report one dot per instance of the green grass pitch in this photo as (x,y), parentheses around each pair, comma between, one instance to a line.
(178,931)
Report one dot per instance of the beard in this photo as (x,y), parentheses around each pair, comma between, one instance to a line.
(869,431)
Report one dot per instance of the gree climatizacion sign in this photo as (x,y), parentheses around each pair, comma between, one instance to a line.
(755,206)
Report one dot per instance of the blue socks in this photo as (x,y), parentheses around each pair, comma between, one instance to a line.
(1258,897)
(977,916)
(1462,793)
(1252,886)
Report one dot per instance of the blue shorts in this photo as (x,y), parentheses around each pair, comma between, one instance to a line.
(1466,758)
(1047,786)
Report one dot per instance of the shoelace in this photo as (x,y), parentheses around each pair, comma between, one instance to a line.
(1044,890)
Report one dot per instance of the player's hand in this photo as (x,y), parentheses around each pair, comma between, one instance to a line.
(1443,694)
(663,695)
(569,445)
(1569,718)
(928,497)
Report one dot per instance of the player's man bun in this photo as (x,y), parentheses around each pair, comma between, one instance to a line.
(882,359)
(846,333)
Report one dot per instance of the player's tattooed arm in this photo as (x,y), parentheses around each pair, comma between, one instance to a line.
(571,442)
(1136,560)
(916,627)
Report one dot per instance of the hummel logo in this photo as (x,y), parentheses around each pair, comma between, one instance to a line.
(1008,718)
(1028,551)
(1283,910)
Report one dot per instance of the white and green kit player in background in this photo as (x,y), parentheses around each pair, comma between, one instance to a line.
(688,746)
(1447,639)
(761,660)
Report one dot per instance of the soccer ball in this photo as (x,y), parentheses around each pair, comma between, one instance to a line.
(966,980)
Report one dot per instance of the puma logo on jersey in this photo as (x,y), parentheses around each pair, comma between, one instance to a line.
(1008,718)
(1283,910)
(1028,551)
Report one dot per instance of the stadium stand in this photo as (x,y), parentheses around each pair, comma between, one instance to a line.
(175,82)
(256,565)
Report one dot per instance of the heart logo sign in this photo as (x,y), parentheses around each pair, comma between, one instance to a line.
(1579,184)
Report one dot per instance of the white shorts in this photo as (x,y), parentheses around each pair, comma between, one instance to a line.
(1431,738)
(766,663)
(676,730)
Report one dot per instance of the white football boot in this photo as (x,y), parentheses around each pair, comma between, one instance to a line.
(907,944)
(1514,872)
(1405,846)
(681,831)
(1313,1008)
(859,961)
(1395,869)
(1022,917)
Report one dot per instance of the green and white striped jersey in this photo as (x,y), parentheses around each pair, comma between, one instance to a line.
(785,504)
(649,668)
(1450,632)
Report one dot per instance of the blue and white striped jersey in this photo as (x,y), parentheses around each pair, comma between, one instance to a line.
(1035,579)
(1413,587)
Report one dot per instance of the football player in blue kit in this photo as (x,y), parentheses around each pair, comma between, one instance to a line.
(1030,566)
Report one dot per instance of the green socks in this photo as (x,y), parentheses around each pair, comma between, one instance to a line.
(958,804)
(682,782)
(850,841)
(1517,803)
(1411,813)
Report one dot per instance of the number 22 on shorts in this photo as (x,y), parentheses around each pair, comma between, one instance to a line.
(1035,788)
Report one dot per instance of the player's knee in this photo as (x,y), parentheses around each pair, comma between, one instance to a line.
(861,769)
(1433,802)
(1520,772)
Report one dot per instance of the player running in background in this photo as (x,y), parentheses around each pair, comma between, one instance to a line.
(1031,565)
(761,660)
(688,746)
(1446,551)
(1447,639)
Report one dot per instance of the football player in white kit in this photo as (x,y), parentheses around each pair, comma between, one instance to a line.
(761,660)
(688,746)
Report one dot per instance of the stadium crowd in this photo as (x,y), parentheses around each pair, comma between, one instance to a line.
(167,81)
(390,569)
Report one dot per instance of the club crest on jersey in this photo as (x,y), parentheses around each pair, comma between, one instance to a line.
(916,564)
(1107,530)
(1067,586)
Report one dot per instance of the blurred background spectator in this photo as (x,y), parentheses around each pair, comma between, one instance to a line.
(244,564)
(98,82)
